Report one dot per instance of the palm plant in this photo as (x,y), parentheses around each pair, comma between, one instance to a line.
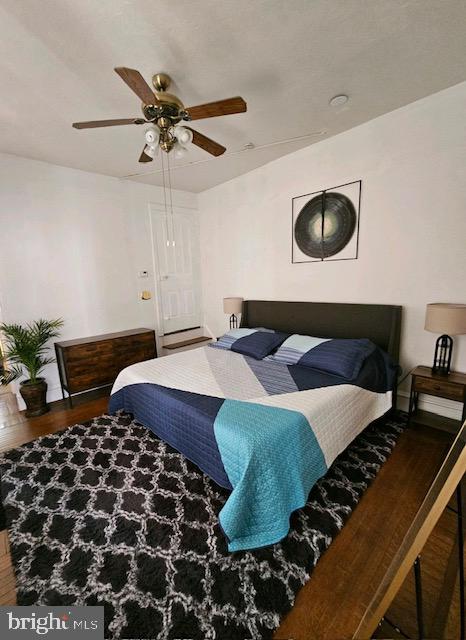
(26,348)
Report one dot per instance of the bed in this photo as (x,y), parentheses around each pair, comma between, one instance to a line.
(265,430)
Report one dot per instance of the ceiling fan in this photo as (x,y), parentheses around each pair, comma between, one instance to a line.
(163,112)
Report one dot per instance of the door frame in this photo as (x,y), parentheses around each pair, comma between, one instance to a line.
(154,208)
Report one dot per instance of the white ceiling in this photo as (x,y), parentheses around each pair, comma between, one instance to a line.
(286,58)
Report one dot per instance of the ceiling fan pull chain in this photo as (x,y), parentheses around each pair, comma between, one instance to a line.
(171,201)
(165,202)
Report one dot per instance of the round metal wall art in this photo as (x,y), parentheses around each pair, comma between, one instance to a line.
(325,225)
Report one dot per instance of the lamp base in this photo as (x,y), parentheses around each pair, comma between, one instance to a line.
(442,356)
(233,321)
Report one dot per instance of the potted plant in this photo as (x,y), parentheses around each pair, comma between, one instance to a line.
(26,353)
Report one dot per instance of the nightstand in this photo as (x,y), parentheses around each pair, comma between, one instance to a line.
(451,387)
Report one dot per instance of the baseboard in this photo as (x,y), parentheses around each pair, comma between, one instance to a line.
(208,331)
(53,393)
(178,336)
(440,406)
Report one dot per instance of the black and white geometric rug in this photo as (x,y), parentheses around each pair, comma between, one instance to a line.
(105,513)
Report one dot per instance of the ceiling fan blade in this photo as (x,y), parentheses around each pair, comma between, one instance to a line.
(93,124)
(144,157)
(212,147)
(136,82)
(219,108)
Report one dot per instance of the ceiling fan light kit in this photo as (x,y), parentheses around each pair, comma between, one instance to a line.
(152,135)
(183,135)
(151,151)
(179,151)
(164,111)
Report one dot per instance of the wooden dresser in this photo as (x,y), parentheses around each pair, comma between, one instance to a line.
(87,363)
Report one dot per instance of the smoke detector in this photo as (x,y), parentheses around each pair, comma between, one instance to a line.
(339,100)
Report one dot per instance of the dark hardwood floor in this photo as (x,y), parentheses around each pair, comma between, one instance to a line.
(16,429)
(334,600)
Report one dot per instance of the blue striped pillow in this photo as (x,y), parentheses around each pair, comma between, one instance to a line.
(340,357)
(257,343)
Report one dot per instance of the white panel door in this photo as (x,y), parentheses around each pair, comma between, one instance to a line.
(175,240)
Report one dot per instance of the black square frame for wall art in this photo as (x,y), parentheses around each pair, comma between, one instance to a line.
(325,224)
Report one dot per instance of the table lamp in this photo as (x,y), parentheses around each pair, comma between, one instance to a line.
(233,306)
(448,320)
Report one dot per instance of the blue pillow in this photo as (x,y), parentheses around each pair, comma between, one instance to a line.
(256,343)
(340,357)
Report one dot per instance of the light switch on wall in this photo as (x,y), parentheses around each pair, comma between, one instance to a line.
(143,274)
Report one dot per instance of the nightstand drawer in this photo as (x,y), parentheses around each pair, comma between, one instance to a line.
(440,388)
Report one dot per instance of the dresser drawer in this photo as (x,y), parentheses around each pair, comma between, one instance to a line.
(131,357)
(135,342)
(86,352)
(92,379)
(126,350)
(95,365)
(441,388)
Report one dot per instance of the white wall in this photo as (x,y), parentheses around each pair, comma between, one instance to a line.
(71,246)
(412,244)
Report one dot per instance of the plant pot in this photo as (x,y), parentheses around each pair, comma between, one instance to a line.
(34,395)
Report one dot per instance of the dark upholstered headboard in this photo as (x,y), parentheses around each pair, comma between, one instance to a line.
(381,323)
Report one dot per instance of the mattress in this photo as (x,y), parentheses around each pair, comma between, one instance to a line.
(265,430)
